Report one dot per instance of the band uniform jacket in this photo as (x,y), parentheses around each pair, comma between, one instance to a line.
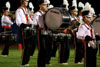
(6,21)
(21,16)
(86,30)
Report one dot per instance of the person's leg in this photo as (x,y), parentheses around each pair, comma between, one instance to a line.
(79,51)
(48,48)
(54,48)
(42,51)
(26,52)
(6,47)
(64,51)
(33,46)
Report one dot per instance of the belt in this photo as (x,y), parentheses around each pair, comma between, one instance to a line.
(6,26)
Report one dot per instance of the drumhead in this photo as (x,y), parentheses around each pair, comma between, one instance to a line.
(96,25)
(55,18)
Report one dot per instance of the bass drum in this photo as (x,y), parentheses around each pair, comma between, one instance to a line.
(96,25)
(57,19)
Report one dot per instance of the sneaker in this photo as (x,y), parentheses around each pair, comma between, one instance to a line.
(27,65)
(49,64)
(4,55)
(79,63)
(64,63)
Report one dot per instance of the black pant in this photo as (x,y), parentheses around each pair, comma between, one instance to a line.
(99,49)
(48,48)
(44,45)
(64,50)
(90,57)
(26,51)
(27,39)
(6,42)
(6,48)
(79,50)
(33,46)
(54,48)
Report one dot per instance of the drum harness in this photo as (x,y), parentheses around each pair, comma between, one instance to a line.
(28,31)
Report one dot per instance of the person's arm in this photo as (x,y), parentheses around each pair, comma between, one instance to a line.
(35,19)
(97,37)
(18,17)
(7,20)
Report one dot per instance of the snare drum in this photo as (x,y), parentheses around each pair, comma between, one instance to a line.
(28,33)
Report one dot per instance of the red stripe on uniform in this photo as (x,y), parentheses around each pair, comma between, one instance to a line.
(23,45)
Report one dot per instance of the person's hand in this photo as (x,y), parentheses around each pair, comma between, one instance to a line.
(23,25)
(97,37)
(88,38)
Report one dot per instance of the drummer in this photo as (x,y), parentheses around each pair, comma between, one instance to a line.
(77,43)
(87,35)
(33,46)
(25,23)
(6,23)
(64,46)
(44,40)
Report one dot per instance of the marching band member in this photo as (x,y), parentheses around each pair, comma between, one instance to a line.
(31,13)
(25,23)
(86,33)
(75,23)
(80,10)
(74,12)
(44,40)
(64,45)
(6,25)
(79,47)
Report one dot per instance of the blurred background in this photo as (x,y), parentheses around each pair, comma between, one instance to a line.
(16,3)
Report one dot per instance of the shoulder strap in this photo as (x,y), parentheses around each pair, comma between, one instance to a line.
(23,10)
(40,12)
(26,16)
(86,26)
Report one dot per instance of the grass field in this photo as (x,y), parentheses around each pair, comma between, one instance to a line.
(14,60)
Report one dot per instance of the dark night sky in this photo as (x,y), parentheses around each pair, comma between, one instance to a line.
(16,3)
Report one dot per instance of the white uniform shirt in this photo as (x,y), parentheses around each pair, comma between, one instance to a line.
(83,31)
(6,21)
(38,19)
(20,16)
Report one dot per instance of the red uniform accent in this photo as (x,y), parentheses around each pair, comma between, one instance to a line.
(23,44)
(91,33)
(27,18)
(64,31)
(20,46)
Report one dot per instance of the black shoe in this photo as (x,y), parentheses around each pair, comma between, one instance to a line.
(47,62)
